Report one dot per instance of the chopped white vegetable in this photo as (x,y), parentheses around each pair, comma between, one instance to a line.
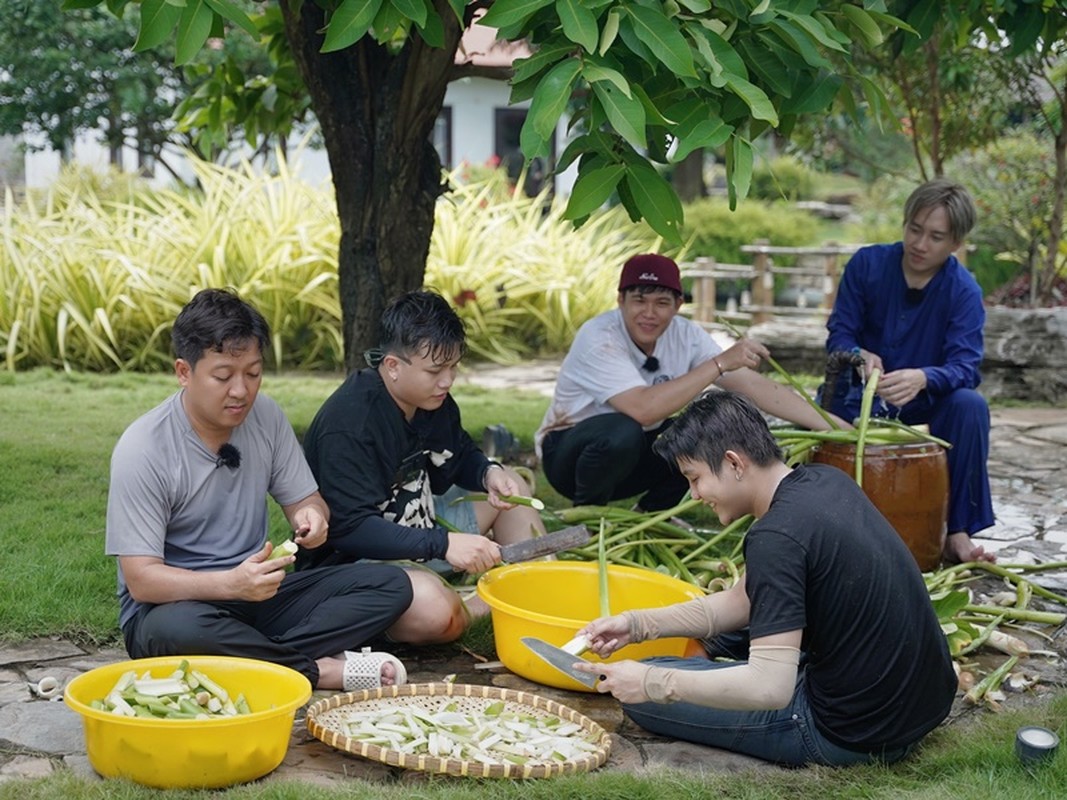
(492,735)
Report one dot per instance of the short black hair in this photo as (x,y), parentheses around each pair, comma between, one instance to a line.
(422,322)
(715,422)
(217,320)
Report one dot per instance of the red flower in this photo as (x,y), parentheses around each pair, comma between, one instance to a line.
(465,296)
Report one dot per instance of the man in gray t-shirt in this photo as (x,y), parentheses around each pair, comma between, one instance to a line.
(187,520)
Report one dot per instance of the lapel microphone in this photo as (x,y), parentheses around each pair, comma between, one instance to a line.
(651,364)
(229,456)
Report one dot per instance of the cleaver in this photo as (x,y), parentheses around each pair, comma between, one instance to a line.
(574,536)
(561,660)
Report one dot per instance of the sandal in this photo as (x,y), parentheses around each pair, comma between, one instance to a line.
(363,670)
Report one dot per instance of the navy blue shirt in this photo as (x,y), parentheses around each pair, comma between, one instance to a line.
(940,333)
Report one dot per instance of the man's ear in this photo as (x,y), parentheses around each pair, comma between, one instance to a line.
(734,461)
(183,371)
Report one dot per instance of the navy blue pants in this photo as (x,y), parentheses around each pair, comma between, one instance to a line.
(316,613)
(962,419)
(609,457)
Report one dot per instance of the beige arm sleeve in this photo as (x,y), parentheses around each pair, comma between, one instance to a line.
(694,618)
(766,681)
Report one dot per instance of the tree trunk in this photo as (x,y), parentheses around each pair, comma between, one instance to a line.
(1055,223)
(377,110)
(688,177)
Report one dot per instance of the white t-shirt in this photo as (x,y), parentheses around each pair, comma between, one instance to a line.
(604,362)
(170,499)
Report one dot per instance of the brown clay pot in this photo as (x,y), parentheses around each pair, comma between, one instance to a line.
(908,483)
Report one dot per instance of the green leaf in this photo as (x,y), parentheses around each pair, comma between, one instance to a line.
(697,127)
(503,13)
(524,68)
(433,32)
(550,98)
(738,170)
(865,24)
(593,72)
(818,94)
(592,189)
(415,10)
(75,5)
(626,114)
(194,25)
(579,23)
(349,23)
(227,10)
(459,8)
(610,31)
(794,38)
(696,6)
(663,39)
(948,605)
(815,29)
(655,200)
(765,60)
(755,98)
(158,19)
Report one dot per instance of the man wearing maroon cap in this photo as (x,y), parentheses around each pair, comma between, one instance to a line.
(628,371)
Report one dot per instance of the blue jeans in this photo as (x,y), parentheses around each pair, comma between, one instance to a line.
(785,736)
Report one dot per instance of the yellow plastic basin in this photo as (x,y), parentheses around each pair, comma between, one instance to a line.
(208,753)
(553,599)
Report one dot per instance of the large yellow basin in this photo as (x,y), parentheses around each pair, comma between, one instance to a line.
(553,599)
(179,753)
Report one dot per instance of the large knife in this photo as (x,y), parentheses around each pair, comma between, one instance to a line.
(561,660)
(539,546)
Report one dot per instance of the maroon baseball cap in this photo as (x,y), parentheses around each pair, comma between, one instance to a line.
(650,269)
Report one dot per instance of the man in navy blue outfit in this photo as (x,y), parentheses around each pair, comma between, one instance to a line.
(912,311)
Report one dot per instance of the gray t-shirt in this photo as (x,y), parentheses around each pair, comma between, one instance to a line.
(170,498)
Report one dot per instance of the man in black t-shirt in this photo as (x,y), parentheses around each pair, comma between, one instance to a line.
(826,578)
(386,445)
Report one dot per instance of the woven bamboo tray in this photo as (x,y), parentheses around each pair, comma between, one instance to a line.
(326,720)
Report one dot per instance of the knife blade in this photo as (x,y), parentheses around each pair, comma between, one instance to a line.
(574,536)
(561,660)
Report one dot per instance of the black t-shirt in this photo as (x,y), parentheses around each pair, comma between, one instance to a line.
(376,472)
(823,559)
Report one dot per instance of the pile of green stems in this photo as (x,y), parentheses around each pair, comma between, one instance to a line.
(708,559)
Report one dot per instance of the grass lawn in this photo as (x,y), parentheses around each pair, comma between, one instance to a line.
(56,436)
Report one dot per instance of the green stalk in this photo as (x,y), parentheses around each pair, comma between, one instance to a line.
(789,378)
(602,569)
(991,681)
(1023,614)
(733,527)
(981,638)
(514,499)
(865,420)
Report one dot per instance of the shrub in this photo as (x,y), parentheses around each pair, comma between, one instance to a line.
(712,229)
(782,178)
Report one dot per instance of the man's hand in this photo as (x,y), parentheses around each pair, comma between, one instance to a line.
(607,634)
(499,483)
(745,353)
(311,527)
(472,553)
(624,679)
(900,386)
(256,579)
(871,362)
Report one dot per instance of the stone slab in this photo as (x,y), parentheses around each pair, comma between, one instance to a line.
(36,651)
(43,726)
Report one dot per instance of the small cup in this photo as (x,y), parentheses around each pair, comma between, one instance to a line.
(1035,745)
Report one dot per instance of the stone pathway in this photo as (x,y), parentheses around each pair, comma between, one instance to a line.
(1028,465)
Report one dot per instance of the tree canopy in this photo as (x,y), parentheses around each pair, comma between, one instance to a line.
(651,81)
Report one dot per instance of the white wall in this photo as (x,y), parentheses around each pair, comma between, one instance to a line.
(472,100)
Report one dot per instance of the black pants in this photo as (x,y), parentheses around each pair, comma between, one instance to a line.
(316,613)
(609,457)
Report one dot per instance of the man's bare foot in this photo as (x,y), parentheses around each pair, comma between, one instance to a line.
(331,675)
(959,549)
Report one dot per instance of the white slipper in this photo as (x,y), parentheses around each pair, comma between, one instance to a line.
(363,670)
